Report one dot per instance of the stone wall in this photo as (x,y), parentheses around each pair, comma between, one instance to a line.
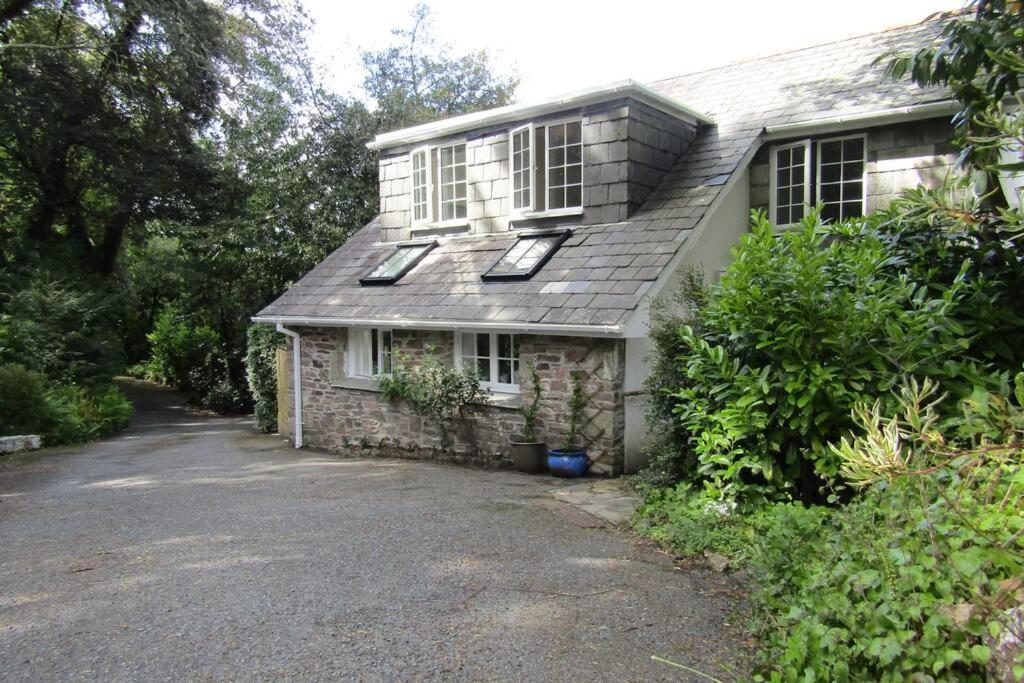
(898,157)
(348,415)
(627,148)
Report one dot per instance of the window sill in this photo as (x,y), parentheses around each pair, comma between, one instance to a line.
(450,228)
(356,383)
(552,213)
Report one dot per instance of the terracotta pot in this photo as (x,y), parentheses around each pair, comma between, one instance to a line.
(529,456)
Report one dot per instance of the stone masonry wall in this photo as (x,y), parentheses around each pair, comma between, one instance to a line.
(627,148)
(345,415)
(898,157)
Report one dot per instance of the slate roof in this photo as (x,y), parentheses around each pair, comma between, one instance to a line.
(601,274)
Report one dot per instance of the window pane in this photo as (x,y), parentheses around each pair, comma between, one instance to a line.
(830,193)
(468,342)
(505,345)
(782,158)
(556,157)
(852,190)
(853,170)
(853,149)
(796,213)
(483,369)
(830,173)
(852,209)
(572,132)
(556,135)
(398,260)
(782,215)
(483,345)
(557,178)
(574,196)
(504,371)
(831,151)
(783,177)
(574,154)
(555,199)
(520,259)
(374,350)
(830,212)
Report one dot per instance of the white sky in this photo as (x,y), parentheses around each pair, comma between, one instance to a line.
(557,46)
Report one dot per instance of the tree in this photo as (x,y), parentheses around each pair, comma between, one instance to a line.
(415,80)
(980,58)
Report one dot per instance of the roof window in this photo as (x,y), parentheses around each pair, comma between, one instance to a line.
(397,264)
(524,258)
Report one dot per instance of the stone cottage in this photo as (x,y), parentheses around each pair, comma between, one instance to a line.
(539,234)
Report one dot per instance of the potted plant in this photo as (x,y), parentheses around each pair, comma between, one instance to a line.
(570,461)
(528,453)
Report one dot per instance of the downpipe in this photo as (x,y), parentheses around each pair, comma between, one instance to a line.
(297,379)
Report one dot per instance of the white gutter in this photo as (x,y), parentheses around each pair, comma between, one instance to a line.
(538,328)
(297,379)
(915,112)
(516,112)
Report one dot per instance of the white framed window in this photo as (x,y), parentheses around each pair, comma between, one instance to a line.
(789,193)
(840,174)
(370,352)
(564,165)
(452,181)
(521,168)
(493,355)
(422,200)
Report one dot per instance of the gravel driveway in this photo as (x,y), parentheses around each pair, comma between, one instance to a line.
(191,548)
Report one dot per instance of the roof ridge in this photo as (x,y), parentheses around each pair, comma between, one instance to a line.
(931,18)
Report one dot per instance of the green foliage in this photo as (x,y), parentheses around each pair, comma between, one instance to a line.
(577,402)
(978,58)
(667,443)
(23,405)
(530,409)
(917,574)
(61,326)
(802,327)
(415,80)
(61,414)
(191,358)
(261,374)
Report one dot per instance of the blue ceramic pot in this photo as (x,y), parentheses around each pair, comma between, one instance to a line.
(568,463)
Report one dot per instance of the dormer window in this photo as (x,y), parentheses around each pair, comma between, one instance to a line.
(399,262)
(438,184)
(422,203)
(565,165)
(521,154)
(830,170)
(546,169)
(453,181)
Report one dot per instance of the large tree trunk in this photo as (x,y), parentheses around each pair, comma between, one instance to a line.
(113,236)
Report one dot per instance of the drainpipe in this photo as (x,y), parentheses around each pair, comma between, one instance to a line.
(297,381)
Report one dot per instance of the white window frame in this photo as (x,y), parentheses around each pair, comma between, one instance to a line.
(440,221)
(567,210)
(360,351)
(495,386)
(425,151)
(863,176)
(531,138)
(773,179)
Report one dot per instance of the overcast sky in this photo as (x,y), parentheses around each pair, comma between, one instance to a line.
(557,46)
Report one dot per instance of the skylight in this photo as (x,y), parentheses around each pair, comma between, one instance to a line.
(400,262)
(526,256)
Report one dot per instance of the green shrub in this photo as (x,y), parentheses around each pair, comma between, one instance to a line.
(61,414)
(178,350)
(803,326)
(261,373)
(78,415)
(62,328)
(23,405)
(916,575)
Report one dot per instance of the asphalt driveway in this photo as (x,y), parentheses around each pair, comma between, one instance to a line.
(191,548)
